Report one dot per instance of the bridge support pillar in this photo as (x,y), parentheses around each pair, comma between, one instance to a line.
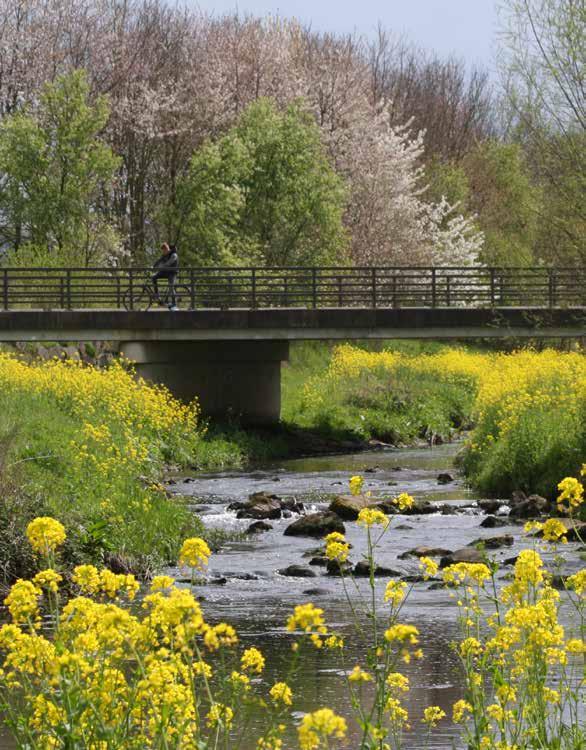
(229,378)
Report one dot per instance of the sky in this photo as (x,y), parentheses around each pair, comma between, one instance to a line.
(463,27)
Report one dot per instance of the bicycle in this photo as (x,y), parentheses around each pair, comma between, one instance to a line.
(143,297)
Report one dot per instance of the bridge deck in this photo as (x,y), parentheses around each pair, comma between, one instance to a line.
(289,324)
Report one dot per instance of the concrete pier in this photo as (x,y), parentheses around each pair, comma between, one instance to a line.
(230,378)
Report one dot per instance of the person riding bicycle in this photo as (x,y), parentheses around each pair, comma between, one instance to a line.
(167,265)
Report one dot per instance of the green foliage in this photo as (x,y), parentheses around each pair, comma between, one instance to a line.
(263,193)
(53,171)
(447,180)
(506,201)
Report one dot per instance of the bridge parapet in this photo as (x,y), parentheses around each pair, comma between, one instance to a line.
(472,287)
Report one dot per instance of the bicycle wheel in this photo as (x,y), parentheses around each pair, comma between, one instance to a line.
(138,298)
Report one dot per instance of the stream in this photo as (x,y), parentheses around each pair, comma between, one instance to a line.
(256,599)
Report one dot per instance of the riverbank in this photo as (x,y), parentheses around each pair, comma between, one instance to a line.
(525,410)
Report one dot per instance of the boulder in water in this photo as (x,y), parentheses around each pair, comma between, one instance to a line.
(425,552)
(493,542)
(316,525)
(258,527)
(349,506)
(297,571)
(262,506)
(362,570)
(465,555)
(491,522)
(529,507)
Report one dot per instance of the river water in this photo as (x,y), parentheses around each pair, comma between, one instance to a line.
(257,600)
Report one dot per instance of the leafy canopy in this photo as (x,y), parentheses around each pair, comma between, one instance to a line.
(54,170)
(263,193)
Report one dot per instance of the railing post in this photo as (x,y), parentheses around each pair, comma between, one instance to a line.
(61,293)
(131,287)
(433,288)
(374,287)
(314,286)
(394,289)
(5,289)
(448,291)
(340,298)
(68,288)
(253,281)
(192,288)
(552,288)
(492,287)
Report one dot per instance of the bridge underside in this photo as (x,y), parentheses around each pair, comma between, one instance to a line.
(231,359)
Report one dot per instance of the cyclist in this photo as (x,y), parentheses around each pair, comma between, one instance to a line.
(166,267)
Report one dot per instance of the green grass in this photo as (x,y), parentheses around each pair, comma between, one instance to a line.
(397,409)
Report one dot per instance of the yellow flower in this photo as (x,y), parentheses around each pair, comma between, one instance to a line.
(356,483)
(432,715)
(252,660)
(398,681)
(337,549)
(571,494)
(371,517)
(359,675)
(554,530)
(403,501)
(462,572)
(281,692)
(318,726)
(305,617)
(577,582)
(220,714)
(219,635)
(23,601)
(395,592)
(576,646)
(48,579)
(161,583)
(45,534)
(195,553)
(459,710)
(470,647)
(397,714)
(240,680)
(429,566)
(403,634)
(87,578)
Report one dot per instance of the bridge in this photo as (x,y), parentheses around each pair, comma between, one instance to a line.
(226,342)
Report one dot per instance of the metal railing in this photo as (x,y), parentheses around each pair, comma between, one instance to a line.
(305,287)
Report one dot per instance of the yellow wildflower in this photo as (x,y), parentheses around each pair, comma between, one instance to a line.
(433,715)
(195,553)
(45,534)
(320,725)
(429,566)
(252,660)
(459,710)
(281,692)
(371,517)
(48,579)
(395,592)
(403,501)
(359,675)
(571,494)
(356,483)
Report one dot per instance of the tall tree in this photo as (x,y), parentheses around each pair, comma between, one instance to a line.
(54,171)
(265,192)
(544,74)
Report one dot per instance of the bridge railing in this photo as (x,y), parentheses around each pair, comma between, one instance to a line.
(305,287)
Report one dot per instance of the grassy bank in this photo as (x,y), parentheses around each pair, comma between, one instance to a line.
(88,446)
(527,408)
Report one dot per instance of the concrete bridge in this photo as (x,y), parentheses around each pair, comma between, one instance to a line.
(231,333)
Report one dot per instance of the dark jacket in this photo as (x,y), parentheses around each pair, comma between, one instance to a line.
(167,265)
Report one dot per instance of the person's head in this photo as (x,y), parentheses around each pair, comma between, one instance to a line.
(165,249)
